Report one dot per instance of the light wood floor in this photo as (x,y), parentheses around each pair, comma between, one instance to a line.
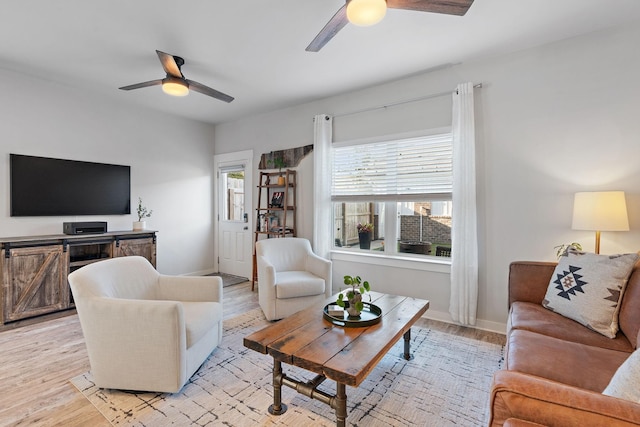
(37,361)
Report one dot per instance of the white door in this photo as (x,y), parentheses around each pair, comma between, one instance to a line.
(233,213)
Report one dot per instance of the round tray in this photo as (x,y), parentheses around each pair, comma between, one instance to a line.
(370,315)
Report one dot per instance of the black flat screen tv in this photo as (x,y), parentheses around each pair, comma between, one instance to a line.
(42,186)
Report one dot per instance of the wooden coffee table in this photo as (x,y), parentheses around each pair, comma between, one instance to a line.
(344,354)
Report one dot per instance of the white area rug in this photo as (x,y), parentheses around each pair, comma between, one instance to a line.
(446,384)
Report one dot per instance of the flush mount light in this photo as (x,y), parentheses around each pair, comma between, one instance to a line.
(175,87)
(366,12)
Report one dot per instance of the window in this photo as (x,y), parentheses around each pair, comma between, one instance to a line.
(232,180)
(402,187)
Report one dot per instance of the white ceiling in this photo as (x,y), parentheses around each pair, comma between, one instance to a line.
(254,50)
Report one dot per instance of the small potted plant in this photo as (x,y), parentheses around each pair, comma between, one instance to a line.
(563,249)
(143,213)
(365,232)
(278,162)
(353,303)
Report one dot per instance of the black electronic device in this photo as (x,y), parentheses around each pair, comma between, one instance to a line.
(42,186)
(87,227)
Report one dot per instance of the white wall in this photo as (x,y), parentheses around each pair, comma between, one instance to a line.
(551,121)
(171,161)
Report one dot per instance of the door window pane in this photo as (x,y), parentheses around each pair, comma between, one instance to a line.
(233,197)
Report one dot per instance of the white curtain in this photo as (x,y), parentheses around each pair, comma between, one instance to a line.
(322,226)
(464,236)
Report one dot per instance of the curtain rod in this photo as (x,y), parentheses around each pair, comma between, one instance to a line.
(406,101)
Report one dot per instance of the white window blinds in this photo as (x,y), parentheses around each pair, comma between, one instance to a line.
(404,169)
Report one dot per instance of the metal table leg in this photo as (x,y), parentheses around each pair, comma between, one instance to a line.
(341,405)
(278,408)
(407,344)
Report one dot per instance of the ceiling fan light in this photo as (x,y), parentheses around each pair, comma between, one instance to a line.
(366,12)
(175,87)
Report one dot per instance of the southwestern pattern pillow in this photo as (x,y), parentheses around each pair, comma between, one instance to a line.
(588,288)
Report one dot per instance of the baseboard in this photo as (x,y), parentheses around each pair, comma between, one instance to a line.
(485,325)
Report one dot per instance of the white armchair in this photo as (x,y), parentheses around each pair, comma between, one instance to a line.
(144,330)
(290,276)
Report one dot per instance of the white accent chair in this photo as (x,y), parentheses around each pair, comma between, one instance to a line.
(144,330)
(290,276)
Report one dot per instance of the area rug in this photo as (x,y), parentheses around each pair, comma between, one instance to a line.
(230,279)
(446,384)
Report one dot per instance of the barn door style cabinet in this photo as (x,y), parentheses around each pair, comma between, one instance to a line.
(34,269)
(34,281)
(136,245)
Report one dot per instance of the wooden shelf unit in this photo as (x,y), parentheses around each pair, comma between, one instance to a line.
(34,269)
(285,213)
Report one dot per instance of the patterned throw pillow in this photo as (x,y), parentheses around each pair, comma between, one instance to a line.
(588,288)
(625,383)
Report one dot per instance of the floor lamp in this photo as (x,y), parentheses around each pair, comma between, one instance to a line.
(600,211)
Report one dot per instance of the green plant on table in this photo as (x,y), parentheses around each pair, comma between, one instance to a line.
(358,287)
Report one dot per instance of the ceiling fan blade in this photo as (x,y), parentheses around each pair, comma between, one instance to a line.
(143,84)
(449,7)
(170,65)
(334,25)
(199,87)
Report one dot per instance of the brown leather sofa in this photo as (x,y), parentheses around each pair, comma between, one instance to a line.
(555,368)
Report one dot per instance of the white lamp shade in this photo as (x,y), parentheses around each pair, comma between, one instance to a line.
(600,211)
(366,12)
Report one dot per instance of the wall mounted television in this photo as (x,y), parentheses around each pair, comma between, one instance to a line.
(42,186)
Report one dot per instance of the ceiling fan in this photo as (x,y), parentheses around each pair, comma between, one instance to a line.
(369,12)
(175,83)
